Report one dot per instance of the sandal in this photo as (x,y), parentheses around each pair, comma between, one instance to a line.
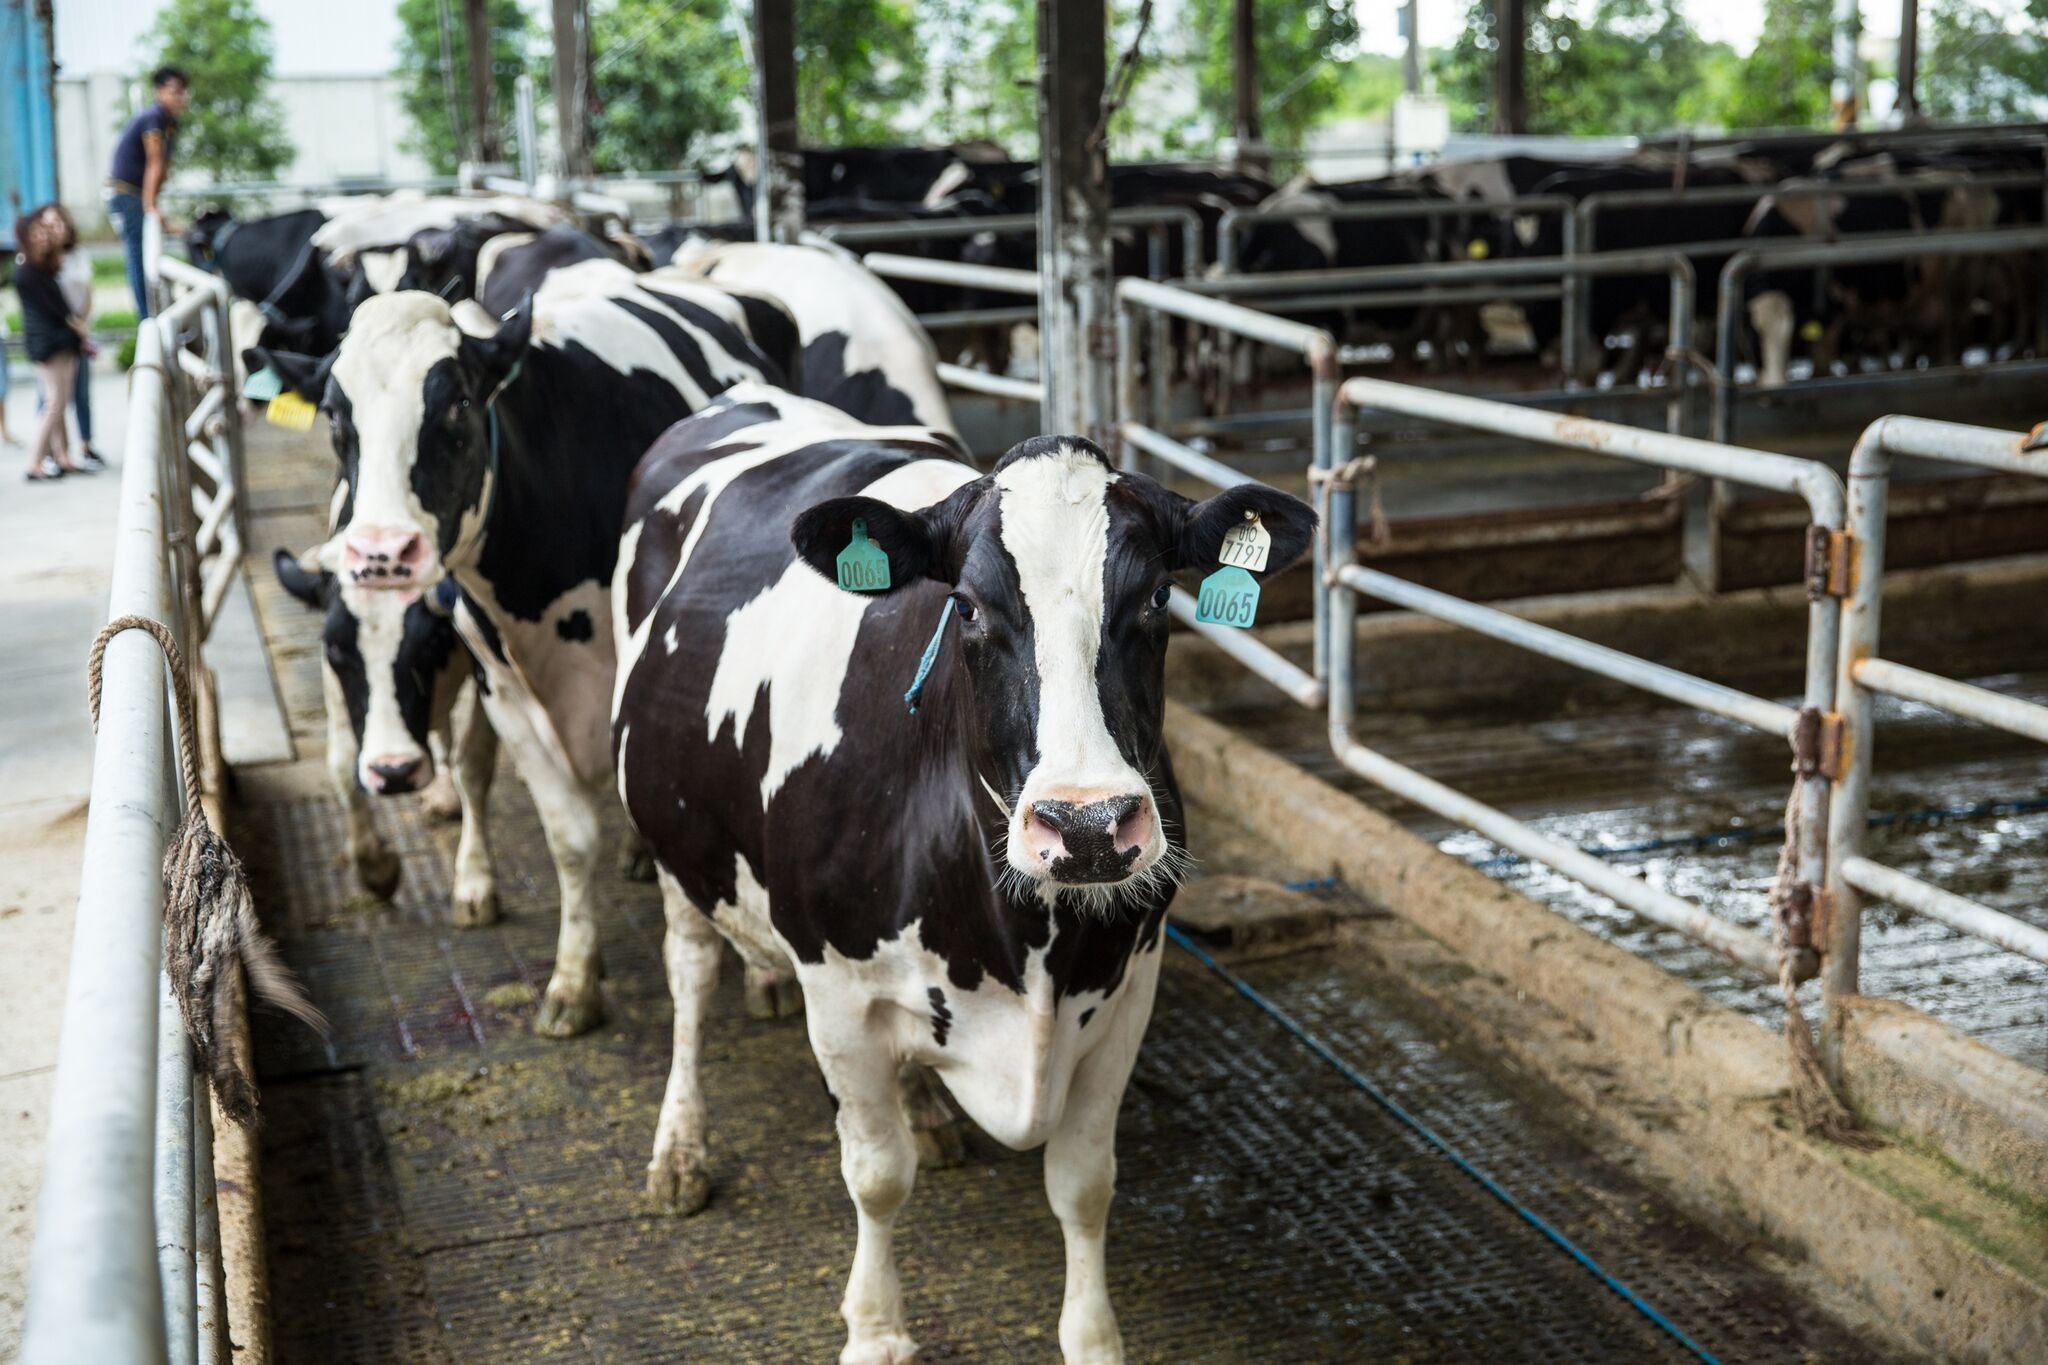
(38,476)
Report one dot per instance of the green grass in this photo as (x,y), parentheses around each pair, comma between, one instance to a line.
(109,269)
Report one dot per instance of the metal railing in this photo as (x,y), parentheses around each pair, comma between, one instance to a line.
(1817,485)
(1863,674)
(1156,217)
(994,278)
(126,1263)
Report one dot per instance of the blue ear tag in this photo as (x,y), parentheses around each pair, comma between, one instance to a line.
(863,565)
(1228,597)
(263,385)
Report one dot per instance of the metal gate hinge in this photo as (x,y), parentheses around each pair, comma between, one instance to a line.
(1817,744)
(1830,561)
(1796,915)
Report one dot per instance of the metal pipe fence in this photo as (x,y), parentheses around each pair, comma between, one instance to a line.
(1153,216)
(1863,674)
(1814,483)
(126,1261)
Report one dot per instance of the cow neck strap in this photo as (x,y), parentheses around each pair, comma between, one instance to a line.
(491,469)
(931,656)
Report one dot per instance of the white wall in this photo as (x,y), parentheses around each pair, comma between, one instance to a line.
(344,127)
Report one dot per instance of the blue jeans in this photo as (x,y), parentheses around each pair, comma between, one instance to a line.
(126,211)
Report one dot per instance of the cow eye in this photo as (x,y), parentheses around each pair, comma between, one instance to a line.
(1161,594)
(965,609)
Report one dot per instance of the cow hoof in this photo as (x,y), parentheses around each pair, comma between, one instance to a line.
(676,1188)
(472,909)
(893,1349)
(940,1147)
(564,1014)
(378,872)
(773,997)
(635,864)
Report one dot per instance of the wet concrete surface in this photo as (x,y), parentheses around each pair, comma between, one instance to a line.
(443,1185)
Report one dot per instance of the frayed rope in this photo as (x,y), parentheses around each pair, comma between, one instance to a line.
(214,949)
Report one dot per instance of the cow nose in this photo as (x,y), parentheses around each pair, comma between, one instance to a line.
(1089,841)
(396,775)
(381,558)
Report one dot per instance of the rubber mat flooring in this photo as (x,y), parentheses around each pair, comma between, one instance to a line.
(443,1185)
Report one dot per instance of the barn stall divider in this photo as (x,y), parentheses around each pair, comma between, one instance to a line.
(126,1264)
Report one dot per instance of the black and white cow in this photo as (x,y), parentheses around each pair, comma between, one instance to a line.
(503,461)
(863,351)
(973,883)
(393,672)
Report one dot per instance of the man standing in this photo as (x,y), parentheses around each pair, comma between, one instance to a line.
(142,161)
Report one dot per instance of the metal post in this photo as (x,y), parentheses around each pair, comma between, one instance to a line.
(1326,454)
(1510,96)
(1076,327)
(779,193)
(529,129)
(1842,926)
(476,25)
(1907,105)
(172,1195)
(1244,87)
(572,86)
(1411,51)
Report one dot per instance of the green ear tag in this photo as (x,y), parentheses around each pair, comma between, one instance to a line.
(263,386)
(863,565)
(1228,597)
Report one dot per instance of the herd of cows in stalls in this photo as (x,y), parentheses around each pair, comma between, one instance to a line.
(597,500)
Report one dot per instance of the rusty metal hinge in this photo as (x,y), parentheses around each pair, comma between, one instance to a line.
(1796,915)
(1817,744)
(1830,562)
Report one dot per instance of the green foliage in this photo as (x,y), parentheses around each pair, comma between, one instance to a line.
(669,77)
(1986,61)
(858,69)
(435,97)
(1784,82)
(234,130)
(1368,87)
(1302,50)
(1625,70)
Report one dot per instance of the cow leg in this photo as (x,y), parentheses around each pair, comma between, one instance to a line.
(375,864)
(878,1158)
(677,1178)
(475,761)
(569,817)
(1080,1173)
(441,799)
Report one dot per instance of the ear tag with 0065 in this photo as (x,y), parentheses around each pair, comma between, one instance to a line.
(1228,597)
(863,565)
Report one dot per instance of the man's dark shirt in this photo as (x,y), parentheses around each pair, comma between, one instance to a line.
(130,153)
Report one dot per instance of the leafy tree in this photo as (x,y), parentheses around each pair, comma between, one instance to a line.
(1783,83)
(435,95)
(1625,70)
(234,129)
(1986,62)
(858,69)
(669,77)
(1302,49)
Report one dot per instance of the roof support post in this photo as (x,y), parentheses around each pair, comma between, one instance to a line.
(1077,314)
(1907,105)
(572,86)
(779,194)
(1510,97)
(1244,87)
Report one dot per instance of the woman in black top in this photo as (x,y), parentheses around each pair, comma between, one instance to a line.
(53,339)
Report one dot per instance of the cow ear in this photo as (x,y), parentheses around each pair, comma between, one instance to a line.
(309,586)
(820,533)
(1287,519)
(498,355)
(305,375)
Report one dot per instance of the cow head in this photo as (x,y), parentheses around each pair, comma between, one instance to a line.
(393,657)
(407,397)
(204,235)
(1060,569)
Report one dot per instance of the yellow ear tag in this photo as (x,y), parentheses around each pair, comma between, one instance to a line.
(291,412)
(1811,331)
(1477,249)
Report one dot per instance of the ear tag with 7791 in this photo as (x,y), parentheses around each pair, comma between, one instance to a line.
(863,565)
(1228,597)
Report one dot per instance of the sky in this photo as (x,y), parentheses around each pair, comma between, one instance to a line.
(357,37)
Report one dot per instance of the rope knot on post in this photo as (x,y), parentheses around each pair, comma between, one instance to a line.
(1347,477)
(214,948)
(1793,905)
